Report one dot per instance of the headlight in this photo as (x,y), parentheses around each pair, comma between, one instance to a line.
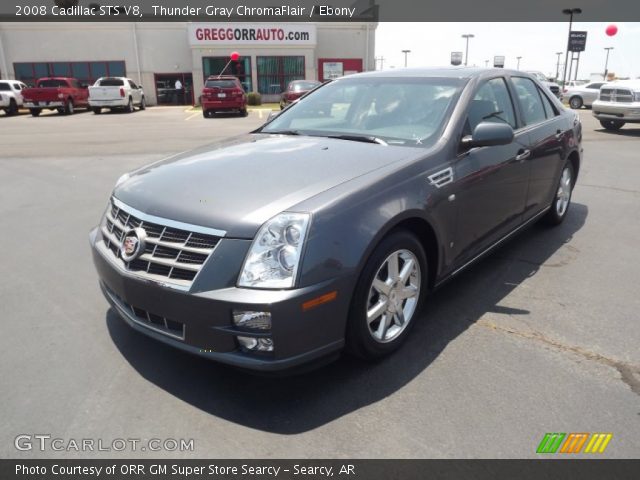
(274,256)
(122,179)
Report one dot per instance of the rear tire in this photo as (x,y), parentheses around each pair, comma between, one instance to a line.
(143,104)
(576,102)
(388,296)
(35,111)
(129,107)
(612,124)
(206,113)
(244,112)
(13,107)
(562,200)
(97,110)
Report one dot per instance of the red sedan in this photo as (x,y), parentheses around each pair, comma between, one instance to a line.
(295,90)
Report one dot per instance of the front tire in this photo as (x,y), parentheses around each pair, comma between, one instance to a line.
(576,102)
(97,110)
(69,108)
(562,200)
(35,111)
(612,124)
(387,297)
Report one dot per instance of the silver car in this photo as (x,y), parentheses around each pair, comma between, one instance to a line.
(583,96)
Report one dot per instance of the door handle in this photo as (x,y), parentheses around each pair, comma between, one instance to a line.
(523,155)
(559,134)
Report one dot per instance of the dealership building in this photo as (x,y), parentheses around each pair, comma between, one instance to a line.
(155,55)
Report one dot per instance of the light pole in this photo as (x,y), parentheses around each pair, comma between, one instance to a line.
(559,54)
(518,67)
(606,63)
(467,36)
(405,56)
(486,63)
(571,12)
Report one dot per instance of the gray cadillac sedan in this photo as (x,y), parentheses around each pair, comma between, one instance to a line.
(327,228)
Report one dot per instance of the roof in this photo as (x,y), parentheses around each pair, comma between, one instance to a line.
(445,72)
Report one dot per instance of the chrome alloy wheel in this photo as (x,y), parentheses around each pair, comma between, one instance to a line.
(563,197)
(393,296)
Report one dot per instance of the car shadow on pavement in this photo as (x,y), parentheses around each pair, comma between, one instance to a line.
(628,131)
(291,405)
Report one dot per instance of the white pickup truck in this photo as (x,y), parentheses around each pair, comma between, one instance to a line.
(116,92)
(617,104)
(11,96)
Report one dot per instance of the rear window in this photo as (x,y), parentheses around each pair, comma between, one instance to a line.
(4,86)
(299,86)
(220,84)
(52,83)
(111,82)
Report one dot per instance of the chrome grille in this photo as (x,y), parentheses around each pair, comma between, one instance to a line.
(616,95)
(171,253)
(147,319)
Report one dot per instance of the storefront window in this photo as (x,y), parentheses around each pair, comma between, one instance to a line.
(240,69)
(275,73)
(85,72)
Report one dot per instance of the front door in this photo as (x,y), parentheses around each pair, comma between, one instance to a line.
(491,182)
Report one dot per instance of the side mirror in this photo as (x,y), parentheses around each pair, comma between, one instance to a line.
(489,134)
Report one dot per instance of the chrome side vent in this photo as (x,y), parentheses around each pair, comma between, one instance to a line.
(441,178)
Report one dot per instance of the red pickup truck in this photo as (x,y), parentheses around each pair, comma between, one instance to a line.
(56,93)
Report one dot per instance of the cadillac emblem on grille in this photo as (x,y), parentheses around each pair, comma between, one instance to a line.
(133,244)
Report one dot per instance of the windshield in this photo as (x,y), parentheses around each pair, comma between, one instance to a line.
(111,82)
(301,86)
(52,83)
(220,84)
(399,111)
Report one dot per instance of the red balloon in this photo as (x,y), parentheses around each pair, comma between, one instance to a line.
(611,30)
(235,56)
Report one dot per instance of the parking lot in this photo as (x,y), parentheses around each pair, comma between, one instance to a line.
(542,336)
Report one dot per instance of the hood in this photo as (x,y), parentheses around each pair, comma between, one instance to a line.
(238,184)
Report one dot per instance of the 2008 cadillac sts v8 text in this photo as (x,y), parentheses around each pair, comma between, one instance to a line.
(327,227)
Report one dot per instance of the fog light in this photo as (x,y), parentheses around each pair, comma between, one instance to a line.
(253,320)
(260,344)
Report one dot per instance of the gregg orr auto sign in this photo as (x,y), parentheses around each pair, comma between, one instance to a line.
(251,34)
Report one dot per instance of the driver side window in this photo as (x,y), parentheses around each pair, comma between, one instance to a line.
(492,103)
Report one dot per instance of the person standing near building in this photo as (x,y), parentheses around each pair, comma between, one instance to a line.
(179,92)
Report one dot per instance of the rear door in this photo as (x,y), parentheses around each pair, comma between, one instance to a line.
(491,181)
(546,130)
(136,93)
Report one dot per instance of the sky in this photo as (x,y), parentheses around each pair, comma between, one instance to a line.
(431,44)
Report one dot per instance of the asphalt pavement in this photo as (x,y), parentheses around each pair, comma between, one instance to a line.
(542,336)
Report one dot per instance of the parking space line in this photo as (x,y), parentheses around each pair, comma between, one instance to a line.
(191,116)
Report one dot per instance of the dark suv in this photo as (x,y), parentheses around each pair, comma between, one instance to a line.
(223,94)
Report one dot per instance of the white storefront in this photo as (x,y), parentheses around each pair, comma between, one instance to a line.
(158,54)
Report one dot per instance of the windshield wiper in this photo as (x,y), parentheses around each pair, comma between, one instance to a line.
(281,132)
(359,138)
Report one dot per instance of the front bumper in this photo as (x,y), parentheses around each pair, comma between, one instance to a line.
(299,336)
(119,102)
(44,104)
(625,112)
